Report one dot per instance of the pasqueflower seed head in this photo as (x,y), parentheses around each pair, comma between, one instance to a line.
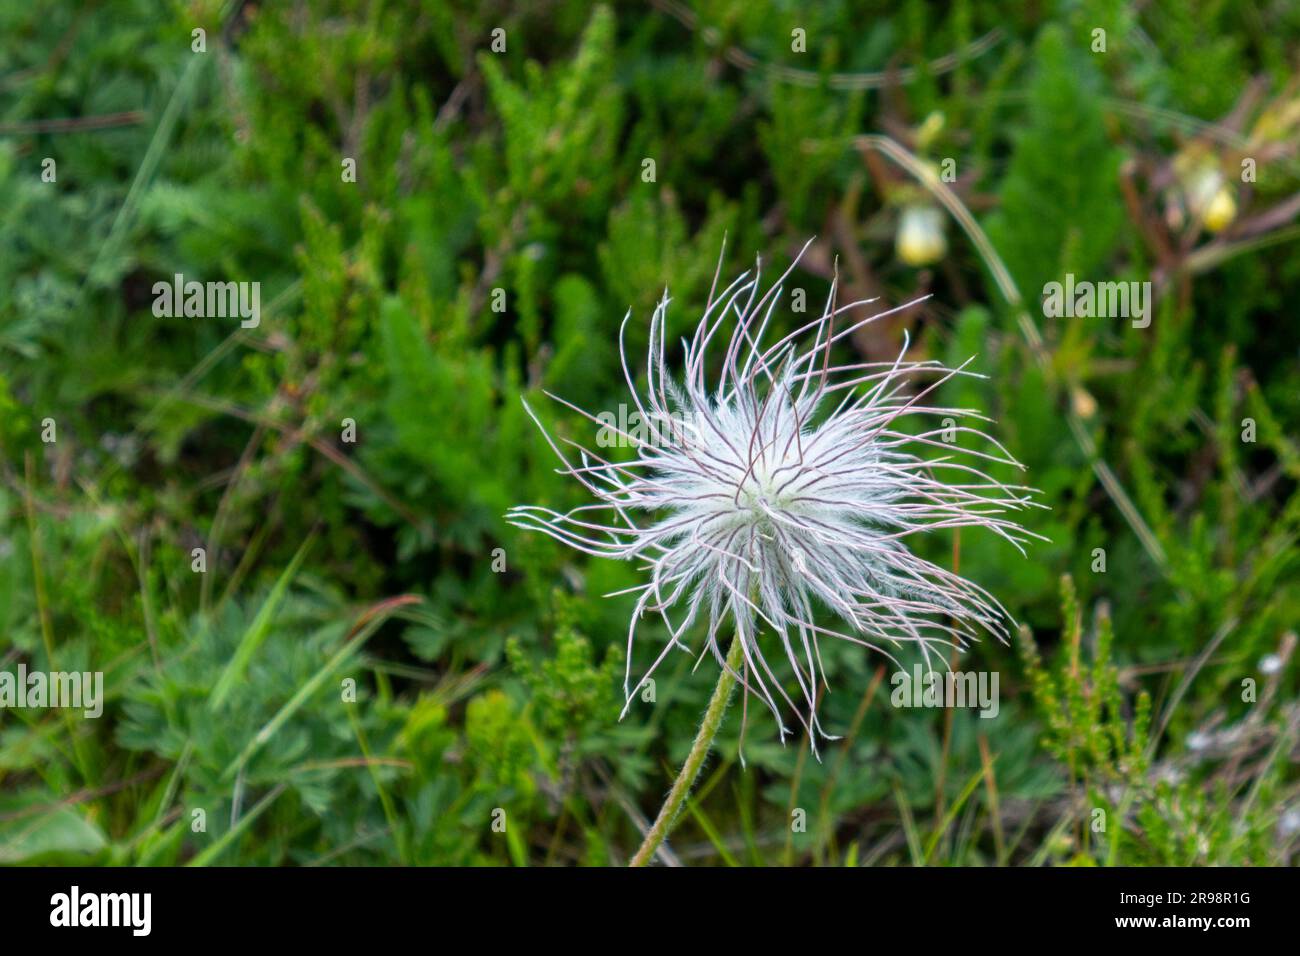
(782,496)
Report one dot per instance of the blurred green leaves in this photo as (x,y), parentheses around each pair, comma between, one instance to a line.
(499,230)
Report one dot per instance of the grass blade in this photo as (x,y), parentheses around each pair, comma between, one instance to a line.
(258,630)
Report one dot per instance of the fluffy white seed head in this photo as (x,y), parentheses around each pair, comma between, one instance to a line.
(784,495)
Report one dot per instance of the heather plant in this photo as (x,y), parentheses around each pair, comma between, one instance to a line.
(292,547)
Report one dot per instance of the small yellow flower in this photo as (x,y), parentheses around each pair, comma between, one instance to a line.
(920,240)
(1210,197)
(1221,211)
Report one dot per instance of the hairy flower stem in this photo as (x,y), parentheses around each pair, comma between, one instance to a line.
(695,759)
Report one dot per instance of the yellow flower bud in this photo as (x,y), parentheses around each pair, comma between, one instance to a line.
(920,240)
(929,130)
(1222,210)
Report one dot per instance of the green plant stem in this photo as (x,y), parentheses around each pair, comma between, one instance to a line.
(658,832)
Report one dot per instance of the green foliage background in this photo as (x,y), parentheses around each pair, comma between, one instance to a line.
(478,690)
